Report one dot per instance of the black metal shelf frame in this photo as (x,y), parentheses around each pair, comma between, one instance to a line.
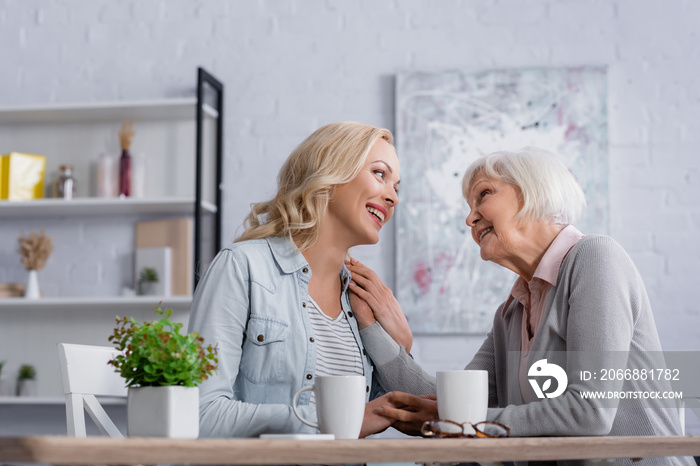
(205,251)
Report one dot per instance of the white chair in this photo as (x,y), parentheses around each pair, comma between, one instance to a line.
(683,365)
(690,400)
(85,374)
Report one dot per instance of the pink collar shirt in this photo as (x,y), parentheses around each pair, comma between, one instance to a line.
(533,294)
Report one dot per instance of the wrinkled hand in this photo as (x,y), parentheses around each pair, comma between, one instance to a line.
(373,301)
(373,421)
(409,411)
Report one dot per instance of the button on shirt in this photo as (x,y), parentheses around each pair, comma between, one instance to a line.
(532,296)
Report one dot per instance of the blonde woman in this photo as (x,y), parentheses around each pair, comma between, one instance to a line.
(276,301)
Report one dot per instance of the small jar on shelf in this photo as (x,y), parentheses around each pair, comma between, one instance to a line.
(64,185)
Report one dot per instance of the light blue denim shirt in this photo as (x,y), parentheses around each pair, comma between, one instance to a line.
(251,302)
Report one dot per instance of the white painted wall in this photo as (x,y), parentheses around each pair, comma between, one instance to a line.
(292,66)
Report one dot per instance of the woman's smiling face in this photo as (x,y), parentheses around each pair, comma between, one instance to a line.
(494,205)
(360,208)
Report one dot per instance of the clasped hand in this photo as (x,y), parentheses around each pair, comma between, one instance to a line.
(403,411)
(372,301)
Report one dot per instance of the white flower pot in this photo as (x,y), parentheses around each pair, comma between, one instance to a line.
(6,387)
(148,288)
(32,290)
(163,412)
(26,387)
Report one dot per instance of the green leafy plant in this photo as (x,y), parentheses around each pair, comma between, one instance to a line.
(156,354)
(148,275)
(26,372)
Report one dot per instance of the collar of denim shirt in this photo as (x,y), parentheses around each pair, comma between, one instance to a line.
(290,259)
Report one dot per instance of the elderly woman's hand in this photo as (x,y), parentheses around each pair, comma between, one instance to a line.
(409,411)
(372,301)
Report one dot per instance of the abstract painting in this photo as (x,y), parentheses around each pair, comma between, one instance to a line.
(445,121)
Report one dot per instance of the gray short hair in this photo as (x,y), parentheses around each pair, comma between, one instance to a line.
(549,190)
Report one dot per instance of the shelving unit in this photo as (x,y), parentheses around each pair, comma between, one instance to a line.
(52,400)
(91,206)
(124,305)
(182,138)
(144,110)
(46,415)
(182,141)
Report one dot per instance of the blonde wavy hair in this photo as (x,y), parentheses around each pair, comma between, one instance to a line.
(333,155)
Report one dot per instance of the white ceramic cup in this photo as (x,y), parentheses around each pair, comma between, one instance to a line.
(463,396)
(340,405)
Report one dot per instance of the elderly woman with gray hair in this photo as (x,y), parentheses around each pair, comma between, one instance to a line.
(575,293)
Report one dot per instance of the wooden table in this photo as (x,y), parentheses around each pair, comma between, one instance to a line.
(103,450)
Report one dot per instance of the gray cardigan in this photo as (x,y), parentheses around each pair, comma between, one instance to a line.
(599,304)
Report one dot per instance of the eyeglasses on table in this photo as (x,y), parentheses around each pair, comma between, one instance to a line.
(443,428)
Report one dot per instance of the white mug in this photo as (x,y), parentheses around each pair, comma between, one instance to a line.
(340,405)
(463,396)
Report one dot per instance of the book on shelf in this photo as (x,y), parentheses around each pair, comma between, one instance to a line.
(12,290)
(176,234)
(22,176)
(158,259)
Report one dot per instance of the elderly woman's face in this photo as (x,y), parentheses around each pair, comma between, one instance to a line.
(494,205)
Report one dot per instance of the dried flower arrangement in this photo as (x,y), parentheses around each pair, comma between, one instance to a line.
(126,134)
(35,250)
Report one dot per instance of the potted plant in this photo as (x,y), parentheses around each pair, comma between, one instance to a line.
(26,380)
(162,369)
(4,384)
(148,278)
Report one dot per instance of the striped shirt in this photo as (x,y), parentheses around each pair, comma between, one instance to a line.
(337,351)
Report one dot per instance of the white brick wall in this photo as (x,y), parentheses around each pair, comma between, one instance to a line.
(291,66)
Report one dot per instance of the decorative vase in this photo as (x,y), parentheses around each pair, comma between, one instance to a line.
(148,288)
(171,412)
(125,174)
(138,175)
(32,290)
(26,387)
(5,387)
(107,176)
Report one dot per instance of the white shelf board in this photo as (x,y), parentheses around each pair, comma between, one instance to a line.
(100,206)
(164,109)
(118,304)
(210,111)
(52,400)
(209,207)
